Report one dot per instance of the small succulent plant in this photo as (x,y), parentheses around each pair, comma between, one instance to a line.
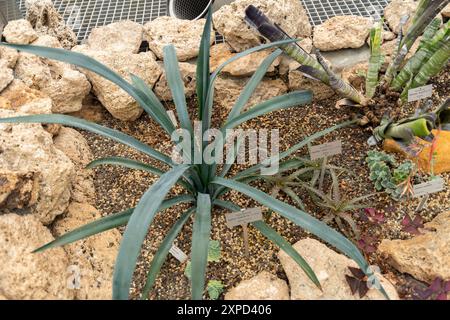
(387,175)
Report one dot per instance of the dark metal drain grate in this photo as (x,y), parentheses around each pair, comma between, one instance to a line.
(83,15)
(321,10)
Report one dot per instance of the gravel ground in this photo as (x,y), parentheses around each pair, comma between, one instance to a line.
(119,189)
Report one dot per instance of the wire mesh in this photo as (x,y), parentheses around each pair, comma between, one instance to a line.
(84,15)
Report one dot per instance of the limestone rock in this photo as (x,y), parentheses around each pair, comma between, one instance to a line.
(243,67)
(46,20)
(77,149)
(123,36)
(5,103)
(24,99)
(288,14)
(6,74)
(342,32)
(188,74)
(63,83)
(27,275)
(396,9)
(19,32)
(356,75)
(330,268)
(119,103)
(228,89)
(92,110)
(426,256)
(185,35)
(441,161)
(10,55)
(264,286)
(298,81)
(18,190)
(94,256)
(446,11)
(28,148)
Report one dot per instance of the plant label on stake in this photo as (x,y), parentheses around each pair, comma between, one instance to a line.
(243,218)
(325,150)
(178,254)
(425,189)
(420,93)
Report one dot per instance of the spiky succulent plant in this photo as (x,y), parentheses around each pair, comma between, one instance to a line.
(204,183)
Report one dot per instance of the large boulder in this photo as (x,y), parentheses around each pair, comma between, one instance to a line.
(28,149)
(342,32)
(185,35)
(242,67)
(264,286)
(123,36)
(10,55)
(426,256)
(330,268)
(6,74)
(19,32)
(77,149)
(119,103)
(288,14)
(24,99)
(396,9)
(189,76)
(63,83)
(228,89)
(46,20)
(94,257)
(27,275)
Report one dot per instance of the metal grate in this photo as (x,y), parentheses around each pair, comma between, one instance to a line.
(321,10)
(83,15)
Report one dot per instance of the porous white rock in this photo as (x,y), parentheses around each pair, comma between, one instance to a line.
(185,35)
(342,32)
(19,32)
(288,14)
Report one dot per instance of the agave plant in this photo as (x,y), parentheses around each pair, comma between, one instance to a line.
(428,61)
(204,183)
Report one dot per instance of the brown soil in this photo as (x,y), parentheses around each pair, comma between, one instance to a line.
(119,189)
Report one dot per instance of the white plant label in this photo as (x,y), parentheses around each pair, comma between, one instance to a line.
(244,217)
(426,188)
(420,93)
(372,141)
(326,150)
(178,254)
(172,117)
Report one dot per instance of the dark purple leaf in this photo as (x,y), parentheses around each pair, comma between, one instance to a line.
(357,273)
(447,287)
(437,285)
(367,244)
(353,283)
(441,296)
(363,289)
(412,226)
